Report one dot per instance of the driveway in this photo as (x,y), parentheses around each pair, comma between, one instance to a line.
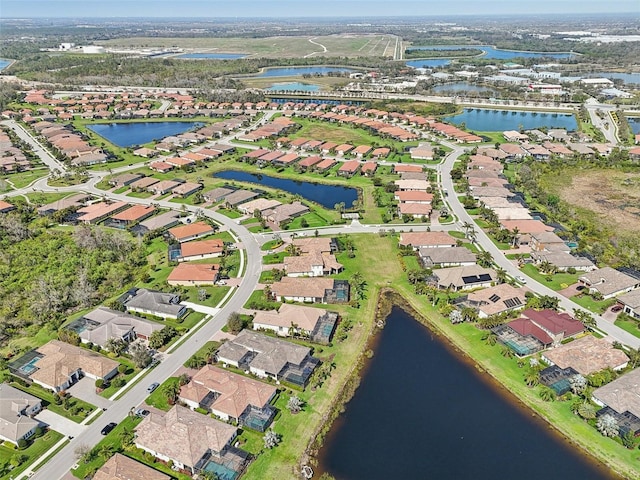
(85,390)
(59,423)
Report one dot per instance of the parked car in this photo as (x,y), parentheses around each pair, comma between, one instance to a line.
(141,412)
(521,279)
(616,308)
(152,387)
(108,427)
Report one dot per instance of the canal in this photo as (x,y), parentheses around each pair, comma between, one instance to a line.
(422,413)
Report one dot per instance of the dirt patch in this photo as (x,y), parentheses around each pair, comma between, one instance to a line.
(613,196)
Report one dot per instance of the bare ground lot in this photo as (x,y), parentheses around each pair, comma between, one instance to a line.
(613,196)
(365,45)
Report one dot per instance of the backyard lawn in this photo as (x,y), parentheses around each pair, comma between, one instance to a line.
(558,281)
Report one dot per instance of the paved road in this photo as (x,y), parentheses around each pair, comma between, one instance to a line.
(36,146)
(485,242)
(606,124)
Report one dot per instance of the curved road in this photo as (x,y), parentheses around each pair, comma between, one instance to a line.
(499,258)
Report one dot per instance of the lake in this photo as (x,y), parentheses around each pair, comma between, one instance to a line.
(293,86)
(634,123)
(485,120)
(211,56)
(495,53)
(461,87)
(298,71)
(420,412)
(4,63)
(325,195)
(440,62)
(138,133)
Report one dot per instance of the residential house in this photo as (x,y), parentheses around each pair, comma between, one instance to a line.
(103,324)
(496,300)
(426,239)
(548,241)
(414,210)
(193,274)
(622,396)
(200,249)
(160,222)
(311,289)
(266,356)
(6,207)
(405,184)
(227,395)
(260,204)
(314,323)
(16,411)
(324,165)
(368,168)
(349,169)
(446,256)
(132,215)
(154,302)
(464,278)
(163,187)
(184,437)
(57,365)
(630,303)
(97,212)
(121,467)
(238,197)
(187,188)
(312,264)
(608,282)
(285,213)
(161,166)
(422,152)
(414,196)
(546,327)
(191,231)
(217,194)
(563,261)
(587,355)
(124,180)
(144,183)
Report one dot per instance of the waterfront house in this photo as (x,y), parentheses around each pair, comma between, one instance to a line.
(184,437)
(266,356)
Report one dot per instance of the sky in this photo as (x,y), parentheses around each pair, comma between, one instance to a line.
(303,8)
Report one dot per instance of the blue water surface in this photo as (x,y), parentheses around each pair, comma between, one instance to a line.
(495,53)
(326,195)
(485,120)
(138,133)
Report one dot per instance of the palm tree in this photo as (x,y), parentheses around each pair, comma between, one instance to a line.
(469,314)
(490,338)
(485,259)
(515,235)
(578,383)
(547,394)
(506,352)
(501,275)
(294,405)
(171,391)
(106,451)
(468,227)
(531,378)
(608,426)
(271,439)
(126,437)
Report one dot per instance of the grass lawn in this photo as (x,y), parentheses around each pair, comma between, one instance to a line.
(158,398)
(258,229)
(84,408)
(266,276)
(257,297)
(272,258)
(140,194)
(208,346)
(271,244)
(628,325)
(214,295)
(131,372)
(312,220)
(229,213)
(22,179)
(558,281)
(595,306)
(456,234)
(34,451)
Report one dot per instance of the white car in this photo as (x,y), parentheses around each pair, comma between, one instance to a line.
(521,279)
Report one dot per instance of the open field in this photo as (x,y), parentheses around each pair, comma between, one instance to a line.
(349,45)
(613,196)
